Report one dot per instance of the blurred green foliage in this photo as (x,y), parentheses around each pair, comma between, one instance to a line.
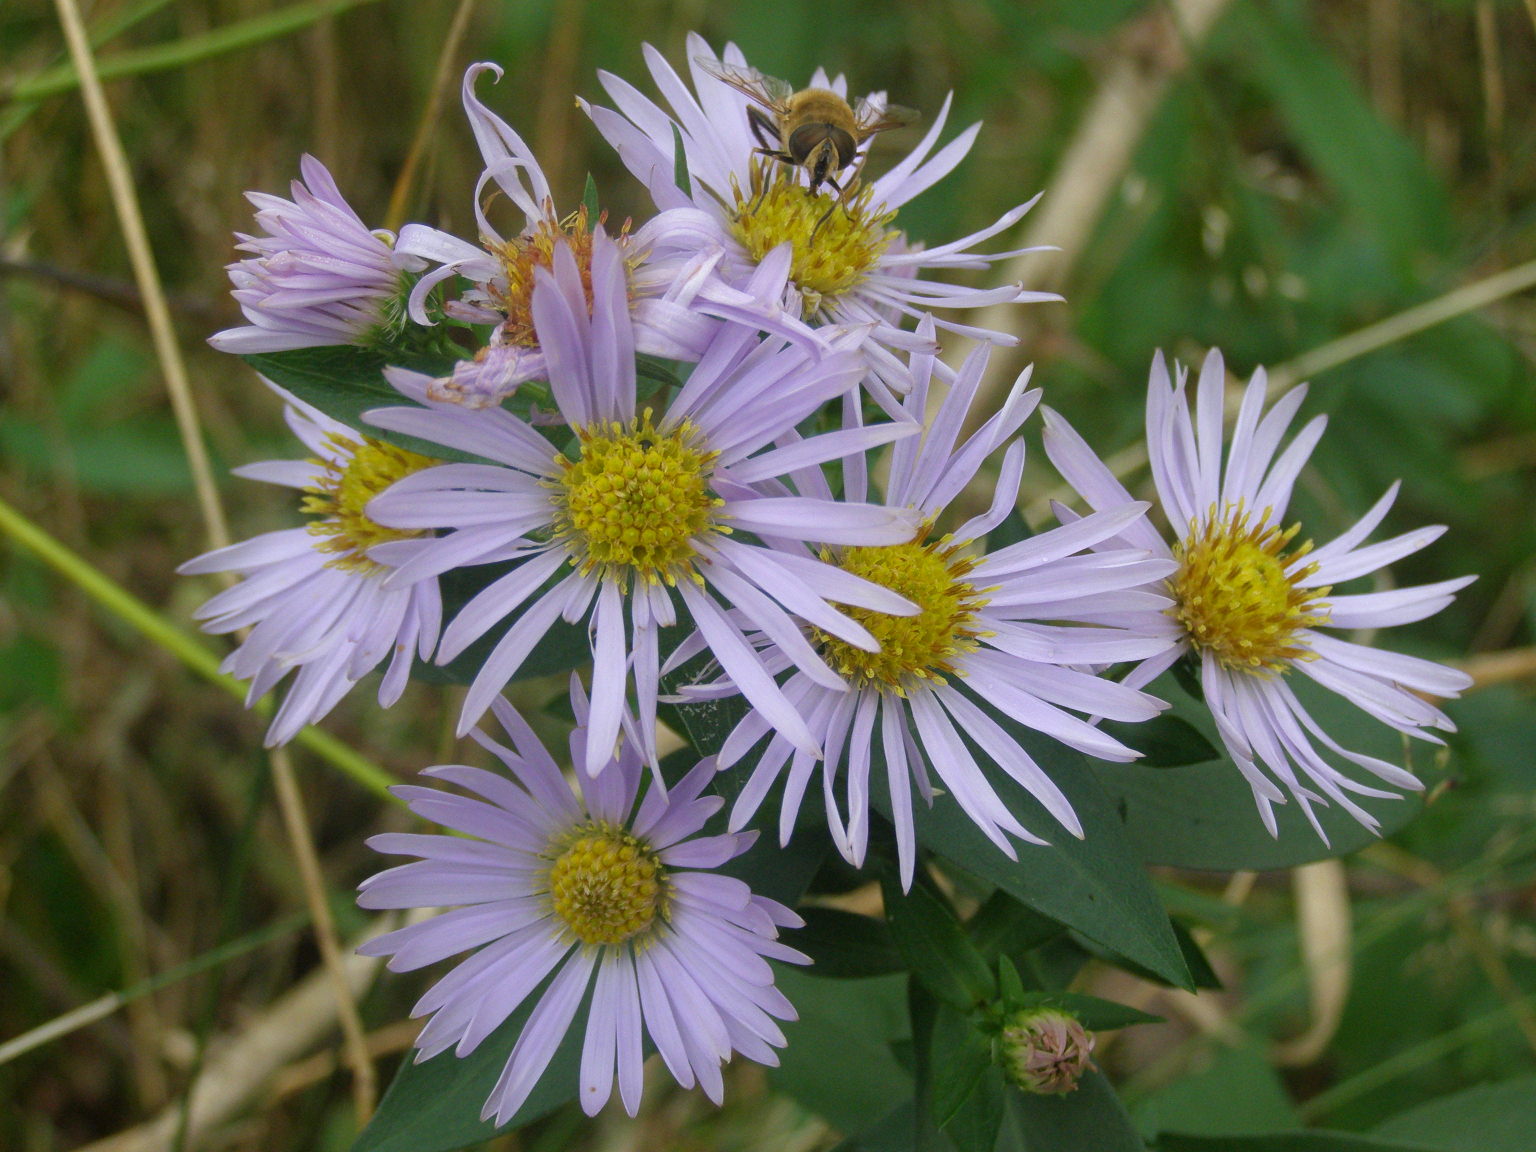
(1317,168)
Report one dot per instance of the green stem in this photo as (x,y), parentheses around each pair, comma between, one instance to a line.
(122,604)
(104,1006)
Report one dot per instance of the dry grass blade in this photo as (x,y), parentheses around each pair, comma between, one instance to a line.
(1323,923)
(157,311)
(240,1067)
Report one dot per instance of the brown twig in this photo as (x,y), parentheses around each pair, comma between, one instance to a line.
(1490,668)
(110,290)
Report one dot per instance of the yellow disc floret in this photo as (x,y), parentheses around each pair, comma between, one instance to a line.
(1236,592)
(835,244)
(636,501)
(606,885)
(912,648)
(343,490)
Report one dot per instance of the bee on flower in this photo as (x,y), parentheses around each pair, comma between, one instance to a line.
(851,266)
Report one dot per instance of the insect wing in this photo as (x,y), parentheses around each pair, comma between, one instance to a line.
(875,115)
(768,91)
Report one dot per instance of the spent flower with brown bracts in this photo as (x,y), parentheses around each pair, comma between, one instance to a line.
(672,306)
(589,898)
(1252,602)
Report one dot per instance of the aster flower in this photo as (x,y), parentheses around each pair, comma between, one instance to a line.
(553,888)
(850,265)
(650,511)
(315,598)
(671,306)
(319,277)
(1250,606)
(997,633)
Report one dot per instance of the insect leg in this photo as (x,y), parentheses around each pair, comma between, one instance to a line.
(764,129)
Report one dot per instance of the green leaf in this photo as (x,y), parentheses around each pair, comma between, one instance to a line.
(1164,741)
(589,202)
(1088,1119)
(893,1132)
(1194,956)
(1379,176)
(838,1060)
(1005,927)
(563,647)
(960,1054)
(935,946)
(435,1106)
(344,382)
(1237,1092)
(680,162)
(1096,885)
(1204,815)
(1488,1118)
(844,944)
(1094,1014)
(975,1124)
(1283,1142)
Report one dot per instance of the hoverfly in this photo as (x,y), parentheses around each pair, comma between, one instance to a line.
(814,128)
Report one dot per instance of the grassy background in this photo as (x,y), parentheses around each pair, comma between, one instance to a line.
(1317,168)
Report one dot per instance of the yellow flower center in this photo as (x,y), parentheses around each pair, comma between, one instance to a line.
(920,647)
(606,885)
(636,501)
(519,257)
(338,498)
(1236,593)
(834,244)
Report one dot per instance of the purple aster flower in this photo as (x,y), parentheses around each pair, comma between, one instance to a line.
(647,508)
(553,888)
(997,633)
(850,265)
(1250,606)
(319,277)
(671,305)
(315,598)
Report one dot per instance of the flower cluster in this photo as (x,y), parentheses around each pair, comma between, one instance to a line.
(721,450)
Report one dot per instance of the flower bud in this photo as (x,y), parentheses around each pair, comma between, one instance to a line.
(1044,1050)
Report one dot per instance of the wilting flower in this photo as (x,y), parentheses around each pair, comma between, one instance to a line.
(643,509)
(1044,1050)
(319,277)
(1249,604)
(851,264)
(553,888)
(999,633)
(671,306)
(315,598)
